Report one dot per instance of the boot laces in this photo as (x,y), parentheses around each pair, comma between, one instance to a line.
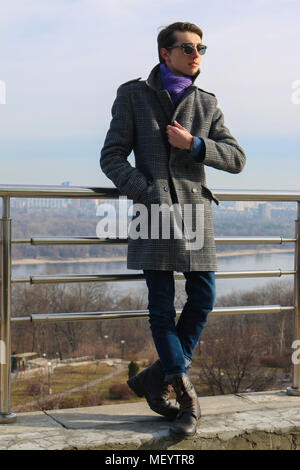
(186,400)
(166,391)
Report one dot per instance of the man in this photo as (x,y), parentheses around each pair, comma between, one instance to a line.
(174,129)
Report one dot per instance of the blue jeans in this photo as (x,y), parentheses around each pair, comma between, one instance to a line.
(175,342)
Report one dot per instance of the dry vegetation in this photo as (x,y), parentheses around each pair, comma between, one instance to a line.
(236,353)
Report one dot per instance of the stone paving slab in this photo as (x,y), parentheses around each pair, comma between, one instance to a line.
(262,420)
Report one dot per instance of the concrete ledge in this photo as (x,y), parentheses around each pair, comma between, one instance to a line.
(263,420)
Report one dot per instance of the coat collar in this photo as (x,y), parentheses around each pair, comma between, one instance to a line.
(154,82)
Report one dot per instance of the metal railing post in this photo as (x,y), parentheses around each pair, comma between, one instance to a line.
(5,308)
(295,388)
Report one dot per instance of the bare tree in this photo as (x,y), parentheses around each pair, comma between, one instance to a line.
(230,360)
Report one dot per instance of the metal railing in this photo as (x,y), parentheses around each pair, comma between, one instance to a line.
(14,191)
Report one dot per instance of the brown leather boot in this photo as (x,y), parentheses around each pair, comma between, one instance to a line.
(189,413)
(150,384)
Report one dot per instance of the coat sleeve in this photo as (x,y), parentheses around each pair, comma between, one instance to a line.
(221,149)
(117,147)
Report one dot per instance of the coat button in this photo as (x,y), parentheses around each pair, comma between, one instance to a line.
(166,188)
(194,190)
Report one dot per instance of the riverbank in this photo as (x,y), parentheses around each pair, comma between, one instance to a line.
(253,251)
(23,261)
(222,254)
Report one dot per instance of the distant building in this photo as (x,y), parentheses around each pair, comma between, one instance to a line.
(76,203)
(39,203)
(240,206)
(19,361)
(264,211)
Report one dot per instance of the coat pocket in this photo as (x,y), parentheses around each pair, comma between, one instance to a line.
(148,195)
(208,193)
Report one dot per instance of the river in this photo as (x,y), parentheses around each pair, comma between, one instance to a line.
(244,262)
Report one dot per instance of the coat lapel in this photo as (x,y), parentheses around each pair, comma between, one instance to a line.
(164,98)
(180,107)
(166,103)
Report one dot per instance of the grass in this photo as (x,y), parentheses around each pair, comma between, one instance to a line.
(69,377)
(62,379)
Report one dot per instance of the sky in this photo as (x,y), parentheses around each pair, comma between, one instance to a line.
(61,62)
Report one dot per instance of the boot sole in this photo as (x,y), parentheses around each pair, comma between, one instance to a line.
(185,435)
(182,435)
(137,387)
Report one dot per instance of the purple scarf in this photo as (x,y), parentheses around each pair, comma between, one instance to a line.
(175,84)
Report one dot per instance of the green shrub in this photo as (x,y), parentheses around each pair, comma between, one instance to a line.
(133,369)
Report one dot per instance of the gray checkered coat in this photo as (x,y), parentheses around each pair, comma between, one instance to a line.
(165,174)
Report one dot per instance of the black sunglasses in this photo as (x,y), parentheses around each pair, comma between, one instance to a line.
(188,48)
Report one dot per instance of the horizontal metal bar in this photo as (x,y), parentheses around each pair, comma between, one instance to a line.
(62,192)
(108,241)
(241,274)
(244,310)
(76,241)
(261,309)
(69,278)
(110,193)
(256,195)
(253,240)
(21,319)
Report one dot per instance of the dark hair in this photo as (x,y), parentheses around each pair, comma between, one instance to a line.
(166,36)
